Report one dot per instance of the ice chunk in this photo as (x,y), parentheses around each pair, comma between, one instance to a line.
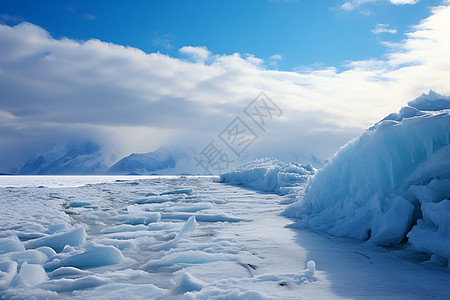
(11,244)
(68,272)
(127,275)
(179,191)
(191,208)
(126,244)
(189,226)
(49,252)
(130,235)
(68,249)
(137,215)
(31,256)
(189,283)
(124,228)
(8,270)
(79,203)
(390,227)
(160,199)
(167,226)
(53,228)
(432,233)
(94,256)
(57,241)
(188,257)
(32,274)
(68,285)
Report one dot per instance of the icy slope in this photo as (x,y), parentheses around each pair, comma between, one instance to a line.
(391,182)
(144,163)
(76,158)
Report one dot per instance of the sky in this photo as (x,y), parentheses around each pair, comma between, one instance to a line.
(301,32)
(137,76)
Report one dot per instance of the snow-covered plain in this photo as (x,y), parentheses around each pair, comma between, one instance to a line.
(187,237)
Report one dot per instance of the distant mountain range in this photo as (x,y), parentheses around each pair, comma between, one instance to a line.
(81,158)
(89,158)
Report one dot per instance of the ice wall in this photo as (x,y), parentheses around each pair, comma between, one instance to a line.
(391,182)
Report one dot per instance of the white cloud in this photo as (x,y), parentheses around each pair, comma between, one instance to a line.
(62,88)
(352,4)
(383,28)
(276,57)
(402,2)
(256,61)
(198,54)
(347,6)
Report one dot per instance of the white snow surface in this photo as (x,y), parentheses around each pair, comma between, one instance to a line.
(390,183)
(208,241)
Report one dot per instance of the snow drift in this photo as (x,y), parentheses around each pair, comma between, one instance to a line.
(391,182)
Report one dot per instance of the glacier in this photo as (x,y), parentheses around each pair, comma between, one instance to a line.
(388,186)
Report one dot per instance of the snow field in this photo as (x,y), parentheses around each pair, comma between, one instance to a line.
(154,238)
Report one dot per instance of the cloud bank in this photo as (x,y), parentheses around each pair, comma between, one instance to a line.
(53,90)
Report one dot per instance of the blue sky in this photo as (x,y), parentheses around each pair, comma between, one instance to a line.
(135,76)
(303,32)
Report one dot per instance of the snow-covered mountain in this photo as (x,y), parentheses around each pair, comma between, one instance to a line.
(144,163)
(76,158)
(90,158)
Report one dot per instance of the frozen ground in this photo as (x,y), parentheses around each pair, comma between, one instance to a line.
(140,239)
